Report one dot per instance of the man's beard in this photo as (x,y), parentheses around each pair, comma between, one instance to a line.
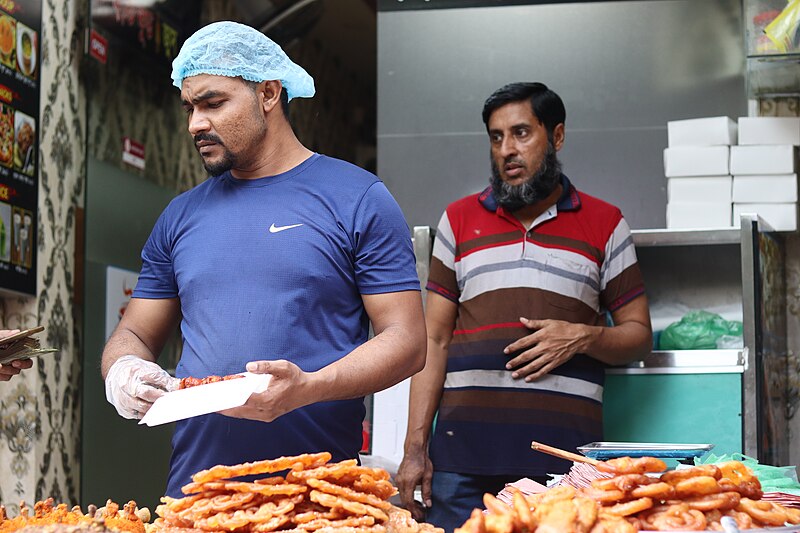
(538,187)
(218,167)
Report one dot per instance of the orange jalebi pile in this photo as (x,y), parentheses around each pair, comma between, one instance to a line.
(314,495)
(690,499)
(129,519)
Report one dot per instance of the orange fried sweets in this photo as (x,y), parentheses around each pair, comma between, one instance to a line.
(313,496)
(45,513)
(688,499)
(631,465)
(559,510)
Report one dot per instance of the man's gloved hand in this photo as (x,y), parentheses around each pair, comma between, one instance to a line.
(133,384)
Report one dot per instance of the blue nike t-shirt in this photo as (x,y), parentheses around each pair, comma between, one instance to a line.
(274,268)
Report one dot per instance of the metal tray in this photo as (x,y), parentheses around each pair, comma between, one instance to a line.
(665,450)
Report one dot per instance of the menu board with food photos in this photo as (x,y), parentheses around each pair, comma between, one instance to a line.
(20,37)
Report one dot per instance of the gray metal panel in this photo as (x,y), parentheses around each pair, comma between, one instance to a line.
(425,173)
(120,459)
(121,209)
(623,69)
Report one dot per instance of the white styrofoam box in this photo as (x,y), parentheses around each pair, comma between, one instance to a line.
(709,131)
(698,215)
(771,188)
(782,217)
(696,161)
(769,130)
(763,159)
(700,189)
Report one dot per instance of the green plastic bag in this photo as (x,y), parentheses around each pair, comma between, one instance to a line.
(698,330)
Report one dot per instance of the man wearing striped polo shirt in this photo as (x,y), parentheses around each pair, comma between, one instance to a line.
(521,279)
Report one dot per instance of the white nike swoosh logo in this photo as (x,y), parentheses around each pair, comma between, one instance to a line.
(275,229)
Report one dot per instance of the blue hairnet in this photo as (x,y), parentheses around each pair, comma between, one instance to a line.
(231,49)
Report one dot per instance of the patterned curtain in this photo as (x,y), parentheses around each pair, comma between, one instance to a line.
(40,410)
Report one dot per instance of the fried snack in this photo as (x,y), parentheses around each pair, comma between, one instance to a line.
(523,511)
(313,497)
(338,490)
(351,521)
(737,472)
(559,510)
(743,520)
(262,467)
(194,382)
(552,495)
(194,488)
(606,497)
(748,489)
(474,524)
(722,501)
(219,503)
(381,488)
(690,499)
(768,513)
(340,502)
(344,471)
(612,524)
(658,491)
(629,508)
(46,513)
(625,482)
(696,486)
(504,516)
(674,476)
(676,517)
(632,465)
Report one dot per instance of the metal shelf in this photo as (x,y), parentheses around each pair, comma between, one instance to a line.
(687,362)
(686,237)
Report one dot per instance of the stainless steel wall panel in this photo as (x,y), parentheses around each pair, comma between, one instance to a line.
(623,69)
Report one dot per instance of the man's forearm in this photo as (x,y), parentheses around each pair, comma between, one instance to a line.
(424,396)
(619,345)
(123,342)
(383,361)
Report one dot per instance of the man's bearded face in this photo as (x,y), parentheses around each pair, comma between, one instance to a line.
(535,189)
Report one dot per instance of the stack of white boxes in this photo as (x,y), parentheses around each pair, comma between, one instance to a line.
(696,163)
(764,170)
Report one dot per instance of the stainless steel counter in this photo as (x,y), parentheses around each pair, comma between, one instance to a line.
(687,362)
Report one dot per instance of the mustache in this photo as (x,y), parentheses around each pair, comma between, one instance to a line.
(206,137)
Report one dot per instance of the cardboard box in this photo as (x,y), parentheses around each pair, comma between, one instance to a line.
(763,159)
(711,131)
(782,217)
(686,161)
(697,215)
(700,189)
(769,130)
(770,189)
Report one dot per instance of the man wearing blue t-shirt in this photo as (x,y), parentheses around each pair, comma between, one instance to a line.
(276,264)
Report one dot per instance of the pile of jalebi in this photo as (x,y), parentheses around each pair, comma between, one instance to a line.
(314,495)
(690,499)
(129,519)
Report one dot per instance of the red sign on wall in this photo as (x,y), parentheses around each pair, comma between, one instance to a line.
(98,47)
(133,153)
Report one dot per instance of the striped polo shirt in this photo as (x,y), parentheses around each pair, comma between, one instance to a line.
(575,263)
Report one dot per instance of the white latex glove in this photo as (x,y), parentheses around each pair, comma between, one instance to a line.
(133,384)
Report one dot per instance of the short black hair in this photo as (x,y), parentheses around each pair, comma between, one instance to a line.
(545,104)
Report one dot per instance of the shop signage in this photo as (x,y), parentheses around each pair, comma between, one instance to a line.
(119,289)
(98,47)
(20,39)
(157,29)
(133,153)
